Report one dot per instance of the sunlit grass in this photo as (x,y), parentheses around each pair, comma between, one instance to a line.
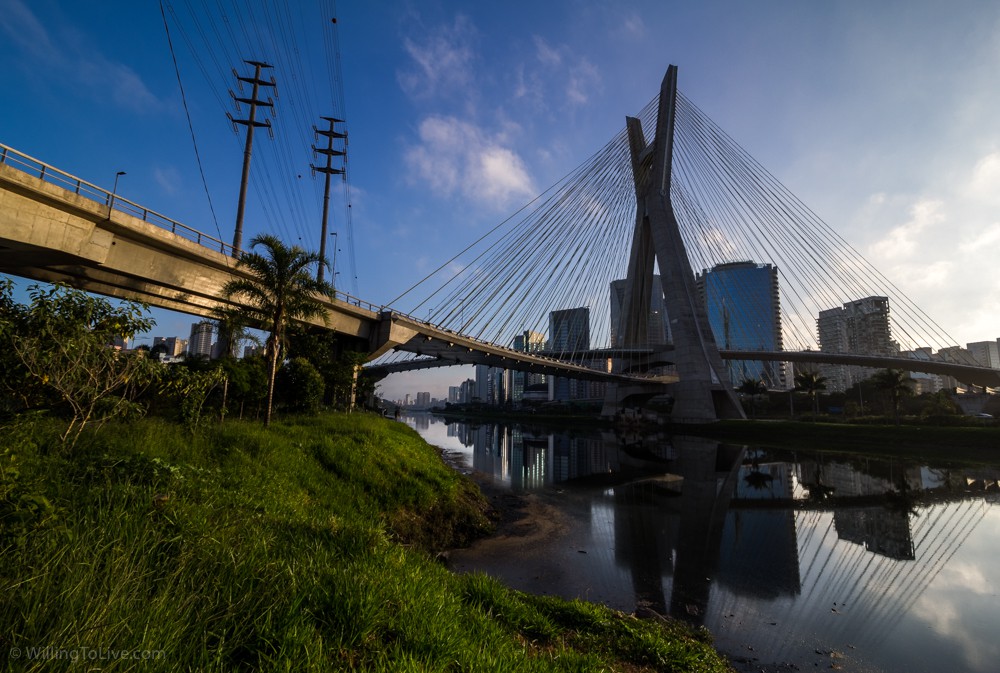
(303,547)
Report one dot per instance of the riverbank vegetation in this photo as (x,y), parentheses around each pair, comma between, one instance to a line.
(307,546)
(143,527)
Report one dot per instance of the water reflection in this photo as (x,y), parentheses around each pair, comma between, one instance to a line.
(795,554)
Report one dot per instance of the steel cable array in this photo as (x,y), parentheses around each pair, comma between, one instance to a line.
(565,248)
(302,45)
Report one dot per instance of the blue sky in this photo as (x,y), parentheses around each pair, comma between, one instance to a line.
(881,116)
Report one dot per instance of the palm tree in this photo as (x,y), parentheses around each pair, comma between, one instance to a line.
(812,383)
(896,384)
(753,388)
(280,288)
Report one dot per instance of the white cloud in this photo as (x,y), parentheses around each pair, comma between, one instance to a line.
(633,26)
(556,68)
(169,179)
(901,241)
(987,238)
(73,62)
(547,55)
(127,88)
(984,184)
(22,27)
(965,576)
(584,79)
(502,174)
(441,62)
(457,157)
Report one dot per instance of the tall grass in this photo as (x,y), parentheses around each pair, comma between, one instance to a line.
(298,548)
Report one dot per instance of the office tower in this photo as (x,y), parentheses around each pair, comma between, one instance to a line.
(657,326)
(986,353)
(569,331)
(518,381)
(569,338)
(744,311)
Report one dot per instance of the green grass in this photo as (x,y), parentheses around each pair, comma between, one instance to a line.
(305,547)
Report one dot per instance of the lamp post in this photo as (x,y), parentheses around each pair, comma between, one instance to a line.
(333,267)
(114,190)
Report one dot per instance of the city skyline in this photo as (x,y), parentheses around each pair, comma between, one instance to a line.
(878,117)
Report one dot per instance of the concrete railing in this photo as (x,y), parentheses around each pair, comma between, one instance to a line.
(39,169)
(48,173)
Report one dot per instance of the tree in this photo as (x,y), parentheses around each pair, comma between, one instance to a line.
(280,288)
(940,404)
(190,387)
(811,383)
(64,341)
(300,387)
(329,353)
(753,388)
(896,384)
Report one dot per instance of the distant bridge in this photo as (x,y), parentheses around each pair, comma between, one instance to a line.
(979,376)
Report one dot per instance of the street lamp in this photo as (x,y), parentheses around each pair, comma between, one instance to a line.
(114,190)
(333,267)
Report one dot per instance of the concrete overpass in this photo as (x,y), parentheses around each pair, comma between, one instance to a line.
(55,227)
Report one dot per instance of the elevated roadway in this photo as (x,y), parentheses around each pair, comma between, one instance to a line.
(57,228)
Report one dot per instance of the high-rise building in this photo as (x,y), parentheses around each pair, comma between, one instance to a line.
(569,330)
(986,353)
(490,387)
(468,391)
(744,310)
(657,325)
(569,335)
(172,346)
(859,327)
(518,381)
(200,343)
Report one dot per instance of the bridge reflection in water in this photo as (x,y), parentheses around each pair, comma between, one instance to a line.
(796,555)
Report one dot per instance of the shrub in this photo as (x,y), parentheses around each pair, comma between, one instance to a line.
(300,387)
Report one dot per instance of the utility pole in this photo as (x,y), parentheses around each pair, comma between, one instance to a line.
(328,170)
(251,123)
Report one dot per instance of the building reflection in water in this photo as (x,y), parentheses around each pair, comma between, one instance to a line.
(706,531)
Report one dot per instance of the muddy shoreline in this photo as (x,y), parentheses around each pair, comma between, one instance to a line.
(521,519)
(529,526)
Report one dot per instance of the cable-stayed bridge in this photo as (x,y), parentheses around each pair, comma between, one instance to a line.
(595,279)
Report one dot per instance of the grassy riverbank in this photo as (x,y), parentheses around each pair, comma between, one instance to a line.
(305,547)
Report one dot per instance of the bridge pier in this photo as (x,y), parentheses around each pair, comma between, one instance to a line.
(703,392)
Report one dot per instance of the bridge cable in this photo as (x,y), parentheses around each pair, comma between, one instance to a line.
(187,113)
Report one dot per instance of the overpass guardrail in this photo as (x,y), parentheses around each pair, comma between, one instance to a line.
(34,167)
(37,168)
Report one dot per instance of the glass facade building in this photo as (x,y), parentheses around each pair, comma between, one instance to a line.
(744,310)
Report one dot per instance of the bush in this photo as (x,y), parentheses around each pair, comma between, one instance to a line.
(300,387)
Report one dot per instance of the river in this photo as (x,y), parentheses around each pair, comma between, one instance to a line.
(792,559)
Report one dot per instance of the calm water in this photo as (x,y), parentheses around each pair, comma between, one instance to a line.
(805,558)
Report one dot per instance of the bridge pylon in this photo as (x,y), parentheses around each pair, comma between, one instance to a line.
(703,391)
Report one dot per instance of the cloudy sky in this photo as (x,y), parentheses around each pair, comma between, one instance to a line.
(882,117)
